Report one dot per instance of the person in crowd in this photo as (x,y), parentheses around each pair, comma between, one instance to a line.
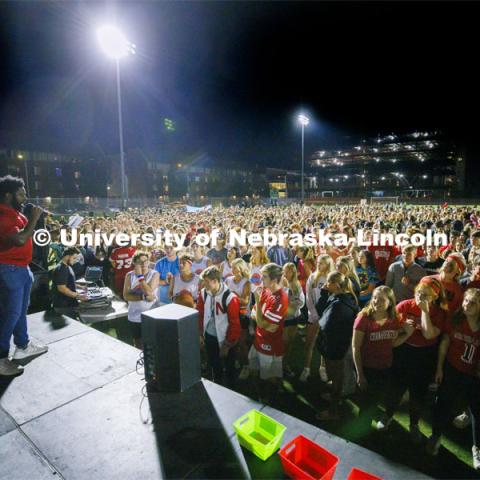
(219,322)
(239,283)
(383,256)
(183,282)
(167,267)
(367,276)
(305,263)
(140,291)
(15,276)
(65,295)
(226,266)
(376,331)
(414,360)
(449,276)
(344,264)
(296,301)
(431,262)
(473,279)
(457,373)
(258,260)
(280,255)
(200,260)
(218,253)
(121,260)
(473,250)
(315,283)
(337,309)
(404,275)
(266,354)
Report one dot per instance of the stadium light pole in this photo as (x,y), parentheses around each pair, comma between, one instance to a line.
(304,121)
(115,45)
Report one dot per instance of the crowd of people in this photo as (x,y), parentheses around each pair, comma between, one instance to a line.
(390,320)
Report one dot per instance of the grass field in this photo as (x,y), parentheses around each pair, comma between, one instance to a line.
(303,401)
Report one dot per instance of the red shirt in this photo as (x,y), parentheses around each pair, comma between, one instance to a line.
(123,258)
(274,308)
(464,352)
(11,222)
(453,292)
(408,309)
(377,346)
(383,256)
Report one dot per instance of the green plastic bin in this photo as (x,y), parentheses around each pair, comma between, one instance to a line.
(259,433)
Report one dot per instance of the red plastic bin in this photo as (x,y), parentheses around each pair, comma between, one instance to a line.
(356,474)
(303,459)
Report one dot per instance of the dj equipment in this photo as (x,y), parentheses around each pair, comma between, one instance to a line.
(98,297)
(93,274)
(171,348)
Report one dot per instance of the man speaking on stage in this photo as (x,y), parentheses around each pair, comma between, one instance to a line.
(15,276)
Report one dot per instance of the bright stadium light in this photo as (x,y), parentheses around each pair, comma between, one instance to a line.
(116,46)
(304,121)
(113,42)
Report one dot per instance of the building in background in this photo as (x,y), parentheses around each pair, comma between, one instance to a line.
(415,165)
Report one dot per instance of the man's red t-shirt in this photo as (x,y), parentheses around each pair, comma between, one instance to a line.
(464,352)
(383,257)
(408,309)
(377,346)
(11,222)
(274,308)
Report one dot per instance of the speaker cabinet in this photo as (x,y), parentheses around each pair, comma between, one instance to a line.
(171,348)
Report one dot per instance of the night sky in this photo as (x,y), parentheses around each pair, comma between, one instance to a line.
(233,75)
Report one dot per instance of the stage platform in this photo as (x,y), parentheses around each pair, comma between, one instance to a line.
(77,413)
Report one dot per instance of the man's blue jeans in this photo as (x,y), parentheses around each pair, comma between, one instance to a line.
(15,286)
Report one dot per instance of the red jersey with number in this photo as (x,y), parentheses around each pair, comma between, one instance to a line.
(464,352)
(377,346)
(12,222)
(274,308)
(123,260)
(409,310)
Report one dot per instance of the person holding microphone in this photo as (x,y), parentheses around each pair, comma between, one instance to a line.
(15,276)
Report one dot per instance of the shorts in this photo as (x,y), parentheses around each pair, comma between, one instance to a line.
(269,366)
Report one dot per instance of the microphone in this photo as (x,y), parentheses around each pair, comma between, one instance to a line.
(27,208)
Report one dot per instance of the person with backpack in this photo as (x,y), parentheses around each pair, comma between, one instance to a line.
(219,323)
(337,308)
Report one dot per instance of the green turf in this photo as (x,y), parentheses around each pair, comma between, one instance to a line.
(303,401)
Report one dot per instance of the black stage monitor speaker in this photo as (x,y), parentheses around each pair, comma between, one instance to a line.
(171,348)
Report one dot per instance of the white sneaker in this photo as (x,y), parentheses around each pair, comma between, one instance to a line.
(476,457)
(304,375)
(384,425)
(9,369)
(24,355)
(323,374)
(433,445)
(244,373)
(462,421)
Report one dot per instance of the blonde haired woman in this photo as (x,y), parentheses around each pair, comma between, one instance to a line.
(314,285)
(376,331)
(338,308)
(346,265)
(257,261)
(296,301)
